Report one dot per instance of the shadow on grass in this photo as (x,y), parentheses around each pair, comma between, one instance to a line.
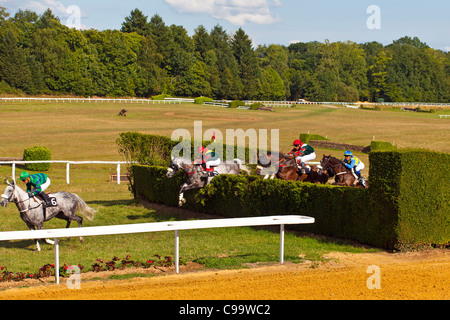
(111,203)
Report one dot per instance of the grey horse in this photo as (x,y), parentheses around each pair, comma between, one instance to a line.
(194,173)
(32,213)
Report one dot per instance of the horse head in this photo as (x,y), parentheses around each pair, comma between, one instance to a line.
(175,165)
(8,194)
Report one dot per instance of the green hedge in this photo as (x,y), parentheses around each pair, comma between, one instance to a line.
(37,153)
(406,206)
(306,137)
(412,188)
(381,145)
(200,100)
(145,148)
(156,150)
(236,103)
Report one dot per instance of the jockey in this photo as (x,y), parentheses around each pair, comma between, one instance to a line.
(36,185)
(208,160)
(302,152)
(353,163)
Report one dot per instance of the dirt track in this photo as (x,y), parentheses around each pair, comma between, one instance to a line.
(403,276)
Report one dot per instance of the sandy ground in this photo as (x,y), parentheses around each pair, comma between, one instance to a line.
(402,276)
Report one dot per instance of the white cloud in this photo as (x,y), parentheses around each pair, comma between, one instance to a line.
(447,48)
(70,16)
(238,12)
(40,6)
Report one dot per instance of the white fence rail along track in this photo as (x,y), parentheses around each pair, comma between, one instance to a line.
(90,100)
(154,227)
(67,162)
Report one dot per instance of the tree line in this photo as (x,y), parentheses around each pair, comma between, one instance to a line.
(146,57)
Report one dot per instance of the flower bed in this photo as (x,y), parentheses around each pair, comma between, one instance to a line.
(115,263)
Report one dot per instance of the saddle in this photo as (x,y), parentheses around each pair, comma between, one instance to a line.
(46,203)
(306,169)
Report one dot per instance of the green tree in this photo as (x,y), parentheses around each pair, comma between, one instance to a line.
(377,76)
(136,22)
(272,85)
(229,85)
(151,78)
(248,66)
(13,65)
(202,42)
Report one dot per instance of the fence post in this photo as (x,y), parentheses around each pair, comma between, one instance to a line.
(281,243)
(118,173)
(68,172)
(177,251)
(14,171)
(57,260)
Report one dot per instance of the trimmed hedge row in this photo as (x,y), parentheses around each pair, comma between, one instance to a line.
(34,154)
(156,150)
(412,188)
(381,145)
(306,137)
(406,206)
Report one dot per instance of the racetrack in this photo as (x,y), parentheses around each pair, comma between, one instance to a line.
(403,276)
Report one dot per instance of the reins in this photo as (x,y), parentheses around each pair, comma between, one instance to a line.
(336,165)
(17,202)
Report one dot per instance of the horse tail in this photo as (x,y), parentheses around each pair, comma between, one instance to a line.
(86,211)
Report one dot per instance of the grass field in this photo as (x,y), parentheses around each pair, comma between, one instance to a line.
(77,131)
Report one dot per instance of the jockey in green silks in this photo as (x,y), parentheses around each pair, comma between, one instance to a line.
(353,163)
(36,185)
(302,152)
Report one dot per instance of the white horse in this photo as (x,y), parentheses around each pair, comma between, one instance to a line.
(32,212)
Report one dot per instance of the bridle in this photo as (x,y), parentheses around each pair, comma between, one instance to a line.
(8,199)
(12,197)
(333,166)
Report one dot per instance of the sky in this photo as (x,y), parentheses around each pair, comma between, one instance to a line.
(269,21)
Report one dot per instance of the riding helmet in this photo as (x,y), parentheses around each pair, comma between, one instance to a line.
(348,153)
(24,175)
(297,143)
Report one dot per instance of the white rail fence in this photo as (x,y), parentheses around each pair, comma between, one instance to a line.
(219,102)
(92,100)
(67,162)
(155,227)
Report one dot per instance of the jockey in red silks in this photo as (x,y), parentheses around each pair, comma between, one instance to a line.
(208,161)
(302,152)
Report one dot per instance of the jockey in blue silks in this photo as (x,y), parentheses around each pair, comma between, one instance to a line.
(353,163)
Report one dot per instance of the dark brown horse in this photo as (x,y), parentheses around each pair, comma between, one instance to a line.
(343,175)
(287,169)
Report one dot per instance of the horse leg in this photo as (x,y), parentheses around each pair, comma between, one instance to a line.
(181,199)
(80,222)
(36,241)
(72,217)
(48,241)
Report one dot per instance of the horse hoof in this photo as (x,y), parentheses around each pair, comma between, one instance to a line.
(48,241)
(81,239)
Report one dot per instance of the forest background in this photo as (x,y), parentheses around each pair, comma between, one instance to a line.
(39,55)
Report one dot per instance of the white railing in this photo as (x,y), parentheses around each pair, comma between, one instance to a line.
(186,100)
(68,163)
(154,227)
(289,103)
(90,100)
